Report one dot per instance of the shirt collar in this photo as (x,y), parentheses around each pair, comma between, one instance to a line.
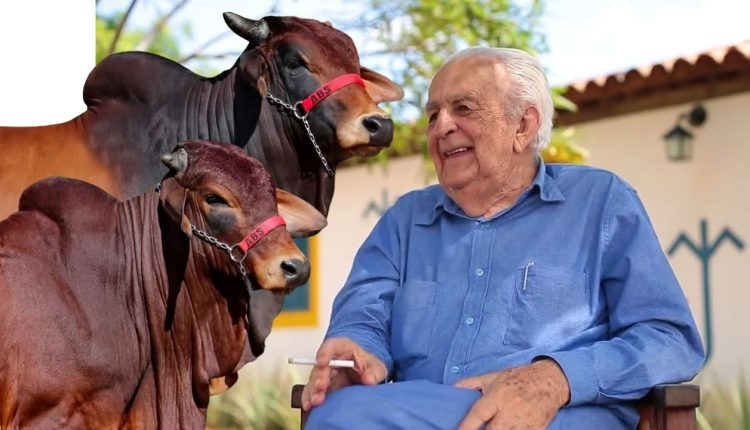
(549,191)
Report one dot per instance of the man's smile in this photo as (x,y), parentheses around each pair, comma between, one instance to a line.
(456,151)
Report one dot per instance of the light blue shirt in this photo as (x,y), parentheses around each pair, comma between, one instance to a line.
(573,271)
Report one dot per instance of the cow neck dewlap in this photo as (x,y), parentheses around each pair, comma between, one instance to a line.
(193,321)
(209,102)
(216,292)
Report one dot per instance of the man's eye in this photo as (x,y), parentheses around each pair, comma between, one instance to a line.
(213,199)
(431,118)
(462,108)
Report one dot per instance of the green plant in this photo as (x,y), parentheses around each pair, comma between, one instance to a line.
(725,407)
(258,401)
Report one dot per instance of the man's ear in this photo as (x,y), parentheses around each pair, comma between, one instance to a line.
(528,127)
(174,198)
(302,219)
(255,70)
(379,88)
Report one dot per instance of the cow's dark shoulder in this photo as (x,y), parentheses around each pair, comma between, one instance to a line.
(135,77)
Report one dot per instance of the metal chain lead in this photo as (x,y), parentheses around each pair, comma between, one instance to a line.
(221,245)
(279,102)
(303,118)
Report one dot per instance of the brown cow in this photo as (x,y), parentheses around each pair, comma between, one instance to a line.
(139,104)
(115,315)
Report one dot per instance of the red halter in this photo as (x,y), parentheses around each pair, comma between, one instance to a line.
(302,108)
(260,231)
(329,88)
(255,235)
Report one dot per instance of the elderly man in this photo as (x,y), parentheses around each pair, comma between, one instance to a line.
(513,295)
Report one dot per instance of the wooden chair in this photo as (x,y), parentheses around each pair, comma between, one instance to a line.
(665,407)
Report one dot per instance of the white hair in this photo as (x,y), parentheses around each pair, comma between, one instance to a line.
(529,86)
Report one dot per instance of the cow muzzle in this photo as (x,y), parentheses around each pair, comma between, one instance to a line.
(296,271)
(380,129)
(279,267)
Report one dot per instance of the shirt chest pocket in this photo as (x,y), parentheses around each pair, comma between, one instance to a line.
(550,305)
(413,314)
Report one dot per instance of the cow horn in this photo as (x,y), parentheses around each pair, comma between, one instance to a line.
(253,31)
(176,161)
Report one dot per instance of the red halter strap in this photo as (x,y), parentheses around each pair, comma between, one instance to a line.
(259,232)
(329,88)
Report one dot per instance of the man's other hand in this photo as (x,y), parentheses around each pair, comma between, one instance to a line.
(368,370)
(526,397)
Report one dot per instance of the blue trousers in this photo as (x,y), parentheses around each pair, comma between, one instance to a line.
(418,405)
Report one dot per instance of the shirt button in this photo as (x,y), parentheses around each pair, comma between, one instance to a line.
(455,369)
(469,321)
(486,225)
(479,272)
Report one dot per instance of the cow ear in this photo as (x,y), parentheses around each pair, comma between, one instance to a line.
(255,70)
(174,197)
(379,88)
(302,219)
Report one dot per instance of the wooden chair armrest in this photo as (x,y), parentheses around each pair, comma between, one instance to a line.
(674,396)
(669,407)
(297,396)
(297,404)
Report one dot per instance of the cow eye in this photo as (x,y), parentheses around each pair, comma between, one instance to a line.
(295,63)
(213,199)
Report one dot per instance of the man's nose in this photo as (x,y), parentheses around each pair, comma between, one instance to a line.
(444,124)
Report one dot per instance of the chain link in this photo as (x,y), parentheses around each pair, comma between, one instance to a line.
(279,102)
(303,118)
(210,239)
(221,245)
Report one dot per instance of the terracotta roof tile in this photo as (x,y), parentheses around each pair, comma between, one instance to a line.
(714,67)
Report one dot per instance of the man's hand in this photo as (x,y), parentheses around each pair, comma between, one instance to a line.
(525,397)
(368,370)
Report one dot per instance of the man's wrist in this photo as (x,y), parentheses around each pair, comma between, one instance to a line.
(555,376)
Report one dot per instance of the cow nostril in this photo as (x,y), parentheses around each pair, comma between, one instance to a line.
(380,128)
(296,271)
(372,124)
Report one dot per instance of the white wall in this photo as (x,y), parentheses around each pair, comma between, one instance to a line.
(713,186)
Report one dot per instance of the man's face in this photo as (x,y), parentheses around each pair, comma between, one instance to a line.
(469,132)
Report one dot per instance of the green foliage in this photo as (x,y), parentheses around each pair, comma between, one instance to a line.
(419,35)
(165,43)
(257,402)
(725,407)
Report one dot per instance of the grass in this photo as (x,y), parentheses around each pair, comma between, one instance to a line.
(258,401)
(725,407)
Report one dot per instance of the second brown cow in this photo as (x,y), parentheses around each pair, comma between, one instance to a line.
(120,314)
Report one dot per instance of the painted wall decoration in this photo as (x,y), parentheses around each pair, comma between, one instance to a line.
(705,251)
(378,208)
(301,306)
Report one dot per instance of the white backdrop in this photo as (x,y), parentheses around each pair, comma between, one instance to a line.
(47,48)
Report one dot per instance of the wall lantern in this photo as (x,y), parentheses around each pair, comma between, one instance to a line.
(679,139)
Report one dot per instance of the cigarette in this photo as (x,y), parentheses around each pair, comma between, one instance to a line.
(313,362)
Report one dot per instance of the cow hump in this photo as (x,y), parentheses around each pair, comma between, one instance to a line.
(134,76)
(66,199)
